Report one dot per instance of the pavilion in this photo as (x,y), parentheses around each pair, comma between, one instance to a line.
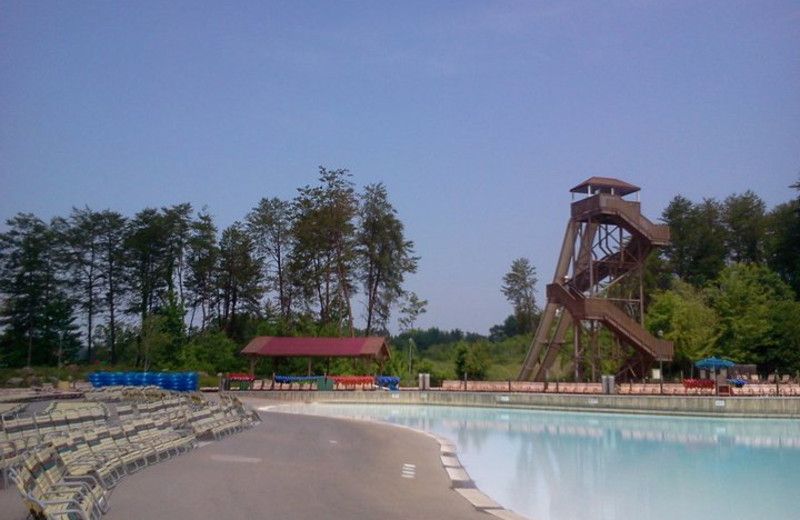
(369,350)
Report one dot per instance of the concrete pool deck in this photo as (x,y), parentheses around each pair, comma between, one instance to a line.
(303,468)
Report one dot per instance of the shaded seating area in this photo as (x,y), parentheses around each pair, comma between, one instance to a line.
(370,352)
(66,459)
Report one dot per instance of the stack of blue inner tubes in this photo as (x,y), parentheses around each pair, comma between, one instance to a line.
(94,378)
(389,382)
(180,381)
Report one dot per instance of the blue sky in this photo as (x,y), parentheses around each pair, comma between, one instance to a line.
(479,116)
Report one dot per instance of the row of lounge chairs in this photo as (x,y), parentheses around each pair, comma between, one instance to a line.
(686,388)
(66,460)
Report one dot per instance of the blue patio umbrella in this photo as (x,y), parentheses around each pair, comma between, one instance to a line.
(713,363)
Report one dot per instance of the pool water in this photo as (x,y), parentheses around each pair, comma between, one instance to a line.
(584,466)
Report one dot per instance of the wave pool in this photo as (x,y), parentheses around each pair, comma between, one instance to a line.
(583,466)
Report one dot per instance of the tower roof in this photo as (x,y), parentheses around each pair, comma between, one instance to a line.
(594,185)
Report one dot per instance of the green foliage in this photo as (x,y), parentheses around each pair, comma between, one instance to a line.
(697,249)
(269,224)
(36,314)
(783,243)
(202,259)
(744,297)
(212,352)
(411,309)
(323,257)
(437,372)
(519,288)
(384,255)
(122,349)
(424,339)
(153,344)
(511,328)
(747,314)
(684,317)
(743,217)
(784,335)
(471,360)
(239,279)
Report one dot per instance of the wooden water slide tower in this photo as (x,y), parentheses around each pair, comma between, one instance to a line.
(598,285)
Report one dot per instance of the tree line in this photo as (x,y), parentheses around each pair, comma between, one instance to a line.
(729,282)
(144,290)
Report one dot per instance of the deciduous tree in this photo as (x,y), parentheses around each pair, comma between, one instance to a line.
(384,256)
(322,260)
(270,225)
(743,217)
(519,288)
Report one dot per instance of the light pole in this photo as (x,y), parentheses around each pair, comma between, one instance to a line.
(660,365)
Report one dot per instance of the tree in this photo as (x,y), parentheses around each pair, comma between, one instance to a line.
(173,326)
(744,296)
(784,354)
(783,241)
(411,309)
(509,328)
(697,243)
(685,318)
(212,352)
(471,361)
(269,225)
(519,287)
(202,257)
(177,222)
(384,255)
(82,236)
(322,260)
(111,236)
(239,278)
(36,316)
(147,261)
(743,217)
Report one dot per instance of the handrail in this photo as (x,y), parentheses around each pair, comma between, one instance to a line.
(629,211)
(623,325)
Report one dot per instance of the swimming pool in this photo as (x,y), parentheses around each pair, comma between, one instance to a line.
(584,466)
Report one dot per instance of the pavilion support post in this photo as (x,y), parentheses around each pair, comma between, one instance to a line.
(252,366)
